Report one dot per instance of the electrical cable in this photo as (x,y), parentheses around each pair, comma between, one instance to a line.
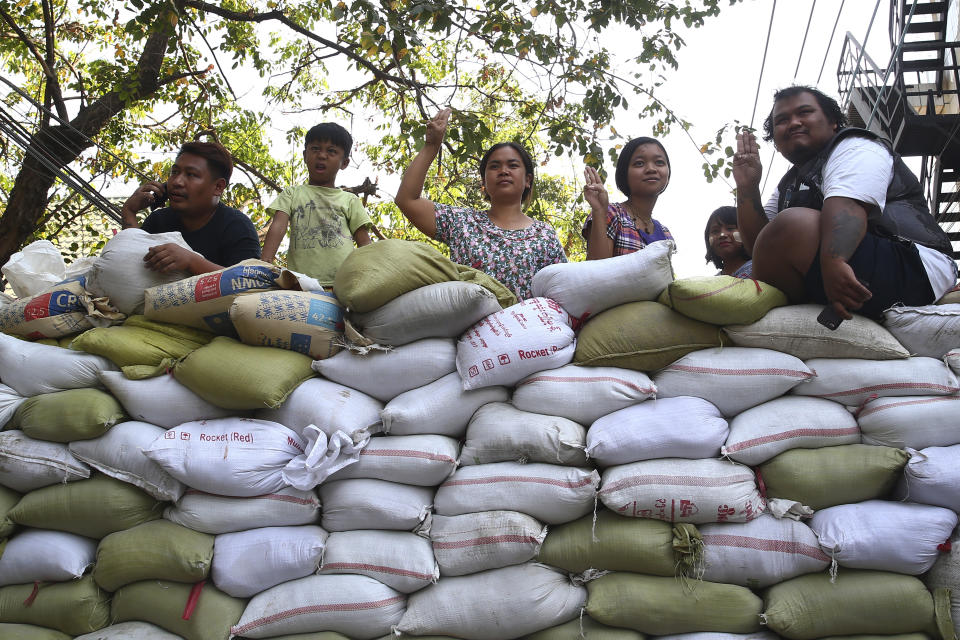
(826,53)
(763,64)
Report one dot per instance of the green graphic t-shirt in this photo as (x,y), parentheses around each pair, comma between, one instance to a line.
(322,223)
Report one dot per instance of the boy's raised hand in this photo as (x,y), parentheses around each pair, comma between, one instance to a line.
(437,127)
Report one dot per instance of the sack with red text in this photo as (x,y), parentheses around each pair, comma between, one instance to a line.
(507,346)
(230,456)
(204,301)
(60,311)
(677,490)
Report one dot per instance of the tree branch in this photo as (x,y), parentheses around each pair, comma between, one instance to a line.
(52,86)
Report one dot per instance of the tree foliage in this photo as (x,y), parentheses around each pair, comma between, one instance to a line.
(117,80)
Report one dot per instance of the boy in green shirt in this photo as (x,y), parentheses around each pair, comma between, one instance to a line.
(324,221)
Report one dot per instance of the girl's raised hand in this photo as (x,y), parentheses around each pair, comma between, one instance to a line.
(593,190)
(437,127)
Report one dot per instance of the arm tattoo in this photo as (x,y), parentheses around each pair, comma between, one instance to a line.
(846,232)
(758,206)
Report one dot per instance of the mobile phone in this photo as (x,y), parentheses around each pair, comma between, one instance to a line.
(829,316)
(159,199)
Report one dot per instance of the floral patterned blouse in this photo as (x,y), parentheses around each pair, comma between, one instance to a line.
(512,256)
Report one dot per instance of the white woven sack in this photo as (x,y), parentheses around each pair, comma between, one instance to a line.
(494,605)
(10,400)
(120,273)
(732,378)
(32,369)
(212,514)
(582,394)
(945,573)
(509,345)
(551,493)
(119,454)
(27,464)
(498,432)
(884,536)
(852,382)
(917,422)
(952,360)
(932,476)
(401,560)
(759,553)
(248,562)
(130,631)
(440,310)
(161,400)
(348,604)
(418,460)
(375,504)
(794,329)
(34,269)
(586,288)
(484,540)
(441,407)
(681,427)
(931,331)
(710,635)
(789,422)
(329,406)
(231,456)
(677,490)
(386,374)
(37,555)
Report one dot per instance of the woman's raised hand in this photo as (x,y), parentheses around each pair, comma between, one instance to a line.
(593,190)
(437,127)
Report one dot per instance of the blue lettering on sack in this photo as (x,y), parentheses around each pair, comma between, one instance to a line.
(63,301)
(220,324)
(81,279)
(300,343)
(243,278)
(325,314)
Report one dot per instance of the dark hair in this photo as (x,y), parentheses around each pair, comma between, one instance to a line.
(829,106)
(527,164)
(623,161)
(330,132)
(725,216)
(218,158)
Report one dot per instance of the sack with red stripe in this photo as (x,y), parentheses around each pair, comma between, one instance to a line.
(248,562)
(582,394)
(424,461)
(732,378)
(677,490)
(549,492)
(484,540)
(209,513)
(759,553)
(851,381)
(916,422)
(64,309)
(500,433)
(401,560)
(364,503)
(348,604)
(760,433)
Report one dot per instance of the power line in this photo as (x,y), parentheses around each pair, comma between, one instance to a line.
(804,43)
(830,42)
(763,64)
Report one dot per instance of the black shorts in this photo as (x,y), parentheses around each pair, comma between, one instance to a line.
(892,270)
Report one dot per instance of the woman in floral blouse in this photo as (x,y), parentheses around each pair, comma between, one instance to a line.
(502,241)
(643,172)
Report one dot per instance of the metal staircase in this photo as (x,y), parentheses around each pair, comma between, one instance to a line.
(914,101)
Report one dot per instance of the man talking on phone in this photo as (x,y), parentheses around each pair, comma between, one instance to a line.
(847,226)
(219,235)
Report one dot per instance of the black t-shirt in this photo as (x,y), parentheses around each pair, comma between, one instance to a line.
(226,239)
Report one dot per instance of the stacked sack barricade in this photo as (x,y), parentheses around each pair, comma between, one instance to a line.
(623,456)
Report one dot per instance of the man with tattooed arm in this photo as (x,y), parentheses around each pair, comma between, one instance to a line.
(847,225)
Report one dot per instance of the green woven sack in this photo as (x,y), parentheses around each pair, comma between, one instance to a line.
(644,336)
(93,507)
(585,628)
(139,341)
(663,606)
(73,607)
(8,499)
(30,632)
(865,602)
(722,299)
(826,477)
(65,416)
(157,550)
(899,636)
(373,275)
(233,375)
(166,603)
(617,543)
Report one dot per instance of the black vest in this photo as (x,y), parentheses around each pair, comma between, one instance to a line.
(905,216)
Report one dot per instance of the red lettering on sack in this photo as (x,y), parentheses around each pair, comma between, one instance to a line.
(688,508)
(170,435)
(487,364)
(473,371)
(37,308)
(293,443)
(184,435)
(207,287)
(504,359)
(724,512)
